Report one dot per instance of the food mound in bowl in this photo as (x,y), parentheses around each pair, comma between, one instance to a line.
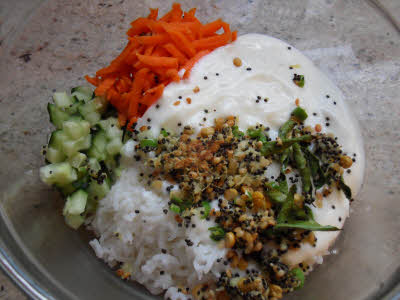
(209,166)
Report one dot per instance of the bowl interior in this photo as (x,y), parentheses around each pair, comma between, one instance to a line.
(50,45)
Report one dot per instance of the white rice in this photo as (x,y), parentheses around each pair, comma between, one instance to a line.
(141,236)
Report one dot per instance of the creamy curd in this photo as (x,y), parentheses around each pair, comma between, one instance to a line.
(266,74)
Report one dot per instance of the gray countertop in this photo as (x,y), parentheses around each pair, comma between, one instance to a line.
(7,289)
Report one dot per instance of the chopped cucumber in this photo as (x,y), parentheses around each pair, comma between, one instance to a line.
(114,146)
(76,203)
(74,221)
(98,149)
(97,191)
(66,189)
(89,112)
(111,127)
(111,163)
(71,147)
(76,129)
(82,93)
(58,173)
(79,176)
(78,160)
(93,167)
(57,116)
(57,139)
(74,108)
(62,100)
(54,155)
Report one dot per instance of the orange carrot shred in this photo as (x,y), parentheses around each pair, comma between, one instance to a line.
(156,50)
(154,61)
(92,80)
(153,39)
(211,28)
(153,14)
(176,53)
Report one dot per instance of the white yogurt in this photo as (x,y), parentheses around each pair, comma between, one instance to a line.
(234,91)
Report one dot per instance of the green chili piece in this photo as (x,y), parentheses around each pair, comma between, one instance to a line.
(148,143)
(303,168)
(285,158)
(298,274)
(284,213)
(175,208)
(176,200)
(217,233)
(299,80)
(236,132)
(283,185)
(272,147)
(164,132)
(257,134)
(300,114)
(272,185)
(284,131)
(276,196)
(286,128)
(207,208)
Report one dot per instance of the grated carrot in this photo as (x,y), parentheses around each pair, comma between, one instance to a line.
(157,49)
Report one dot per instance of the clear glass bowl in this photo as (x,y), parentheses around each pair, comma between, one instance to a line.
(50,45)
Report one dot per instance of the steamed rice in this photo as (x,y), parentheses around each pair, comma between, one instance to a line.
(138,238)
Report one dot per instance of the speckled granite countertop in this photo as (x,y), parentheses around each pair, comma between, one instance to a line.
(8,8)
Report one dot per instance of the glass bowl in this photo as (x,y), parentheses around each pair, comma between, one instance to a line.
(51,45)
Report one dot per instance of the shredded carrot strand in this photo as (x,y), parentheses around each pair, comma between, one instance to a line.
(157,49)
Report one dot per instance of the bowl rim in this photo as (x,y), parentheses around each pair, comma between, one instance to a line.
(20,279)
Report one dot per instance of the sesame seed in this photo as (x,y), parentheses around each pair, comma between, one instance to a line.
(216,74)
(161,272)
(164,251)
(289,48)
(205,77)
(248,69)
(137,211)
(180,97)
